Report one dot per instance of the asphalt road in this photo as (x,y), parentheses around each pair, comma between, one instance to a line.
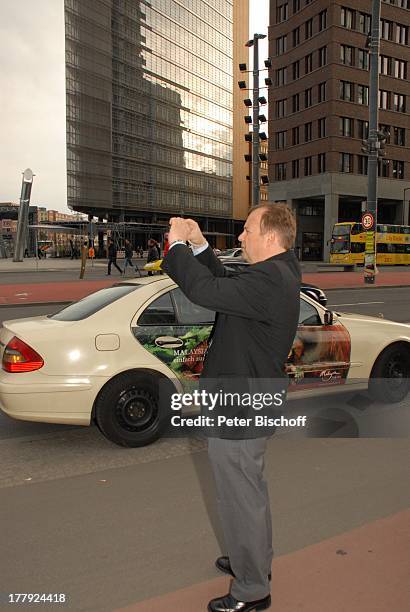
(109,526)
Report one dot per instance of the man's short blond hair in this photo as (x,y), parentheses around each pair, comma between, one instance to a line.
(278,218)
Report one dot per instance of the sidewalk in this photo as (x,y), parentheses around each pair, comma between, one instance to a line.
(364,570)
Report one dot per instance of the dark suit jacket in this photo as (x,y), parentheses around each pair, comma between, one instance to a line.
(257,312)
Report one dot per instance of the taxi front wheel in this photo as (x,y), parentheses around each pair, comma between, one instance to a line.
(127,410)
(390,378)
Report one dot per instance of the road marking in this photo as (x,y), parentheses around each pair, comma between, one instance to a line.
(356,304)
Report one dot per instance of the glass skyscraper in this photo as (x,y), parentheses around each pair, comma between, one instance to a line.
(150,108)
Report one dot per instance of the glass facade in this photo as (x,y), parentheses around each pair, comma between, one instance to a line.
(149,106)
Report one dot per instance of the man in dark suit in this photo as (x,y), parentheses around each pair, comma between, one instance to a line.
(256,321)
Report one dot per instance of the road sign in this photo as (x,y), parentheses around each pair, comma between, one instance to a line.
(367,221)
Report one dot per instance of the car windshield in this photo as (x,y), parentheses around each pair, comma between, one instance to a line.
(342,230)
(228,252)
(339,246)
(93,303)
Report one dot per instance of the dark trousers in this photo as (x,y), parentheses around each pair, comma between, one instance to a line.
(113,262)
(244,510)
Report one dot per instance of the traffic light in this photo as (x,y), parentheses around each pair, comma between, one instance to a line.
(381,142)
(365,148)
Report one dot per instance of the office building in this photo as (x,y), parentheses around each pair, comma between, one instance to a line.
(150,112)
(319,113)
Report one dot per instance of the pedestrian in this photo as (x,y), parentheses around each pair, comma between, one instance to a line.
(112,257)
(256,320)
(153,252)
(128,256)
(166,245)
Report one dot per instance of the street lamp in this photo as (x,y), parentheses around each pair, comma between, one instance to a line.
(22,222)
(254,42)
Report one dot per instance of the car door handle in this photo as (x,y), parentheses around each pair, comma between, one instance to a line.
(169,342)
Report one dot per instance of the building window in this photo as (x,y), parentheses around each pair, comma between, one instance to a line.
(322,56)
(321,127)
(282,13)
(362,164)
(281,45)
(400,69)
(280,108)
(295,103)
(383,99)
(402,34)
(363,94)
(308,63)
(385,64)
(281,76)
(321,92)
(346,162)
(398,169)
(308,28)
(346,126)
(363,59)
(308,131)
(308,97)
(383,168)
(363,129)
(296,70)
(321,163)
(346,55)
(399,136)
(346,91)
(295,168)
(386,29)
(322,20)
(295,135)
(347,17)
(296,6)
(308,166)
(399,103)
(296,37)
(386,129)
(280,140)
(365,23)
(280,172)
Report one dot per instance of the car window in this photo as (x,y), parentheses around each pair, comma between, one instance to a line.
(188,313)
(93,303)
(159,312)
(308,314)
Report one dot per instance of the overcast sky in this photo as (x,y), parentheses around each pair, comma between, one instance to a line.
(32,96)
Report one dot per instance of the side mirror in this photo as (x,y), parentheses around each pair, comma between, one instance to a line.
(328,317)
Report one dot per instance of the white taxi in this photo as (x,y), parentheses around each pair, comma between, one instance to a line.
(102,359)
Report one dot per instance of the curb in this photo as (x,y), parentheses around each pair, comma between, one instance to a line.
(365,286)
(23,304)
(68,301)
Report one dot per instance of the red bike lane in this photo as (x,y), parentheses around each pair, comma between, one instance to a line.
(69,291)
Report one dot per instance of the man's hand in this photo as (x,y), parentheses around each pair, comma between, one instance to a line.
(195,237)
(180,230)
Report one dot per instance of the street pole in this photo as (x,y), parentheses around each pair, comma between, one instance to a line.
(22,222)
(255,124)
(405,221)
(370,263)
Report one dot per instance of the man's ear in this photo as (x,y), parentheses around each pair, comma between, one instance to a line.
(272,238)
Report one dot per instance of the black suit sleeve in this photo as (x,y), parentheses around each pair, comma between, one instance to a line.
(209,259)
(249,294)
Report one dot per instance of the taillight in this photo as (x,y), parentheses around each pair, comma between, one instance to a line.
(20,357)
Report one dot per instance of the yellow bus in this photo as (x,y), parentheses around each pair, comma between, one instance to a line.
(348,244)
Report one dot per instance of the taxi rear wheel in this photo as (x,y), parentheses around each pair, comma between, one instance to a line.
(390,377)
(127,410)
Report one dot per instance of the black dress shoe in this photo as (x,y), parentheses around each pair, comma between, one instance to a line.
(223,564)
(227,603)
